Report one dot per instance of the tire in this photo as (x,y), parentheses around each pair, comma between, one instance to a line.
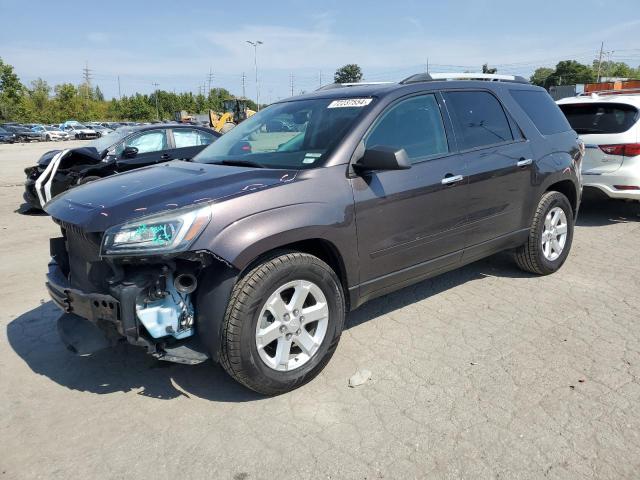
(239,353)
(533,256)
(48,138)
(90,178)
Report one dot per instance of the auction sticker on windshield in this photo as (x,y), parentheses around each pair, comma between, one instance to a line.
(350,102)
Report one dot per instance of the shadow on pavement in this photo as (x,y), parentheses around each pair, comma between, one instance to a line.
(34,337)
(597,212)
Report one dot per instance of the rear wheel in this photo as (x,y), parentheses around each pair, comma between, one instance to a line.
(550,236)
(283,323)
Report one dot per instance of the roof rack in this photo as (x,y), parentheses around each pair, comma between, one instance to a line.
(490,77)
(331,86)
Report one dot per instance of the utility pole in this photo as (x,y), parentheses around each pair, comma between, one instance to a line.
(291,83)
(86,75)
(119,92)
(320,78)
(155,84)
(244,81)
(255,63)
(210,79)
(600,61)
(427,64)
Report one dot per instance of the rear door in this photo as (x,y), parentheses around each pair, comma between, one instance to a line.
(188,142)
(603,127)
(499,164)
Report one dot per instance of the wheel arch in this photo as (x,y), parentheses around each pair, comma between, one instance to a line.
(569,190)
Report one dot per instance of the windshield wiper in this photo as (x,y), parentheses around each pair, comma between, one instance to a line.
(239,163)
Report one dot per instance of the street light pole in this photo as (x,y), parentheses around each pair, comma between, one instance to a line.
(255,63)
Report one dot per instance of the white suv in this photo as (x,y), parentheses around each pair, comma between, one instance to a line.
(609,126)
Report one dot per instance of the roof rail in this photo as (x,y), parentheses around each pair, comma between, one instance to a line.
(331,86)
(491,77)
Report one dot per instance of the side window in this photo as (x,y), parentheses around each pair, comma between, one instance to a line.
(414,124)
(542,110)
(187,137)
(478,119)
(153,141)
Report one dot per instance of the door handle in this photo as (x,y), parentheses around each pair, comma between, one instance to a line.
(165,156)
(523,162)
(451,179)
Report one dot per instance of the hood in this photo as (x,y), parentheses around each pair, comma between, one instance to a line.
(96,206)
(82,152)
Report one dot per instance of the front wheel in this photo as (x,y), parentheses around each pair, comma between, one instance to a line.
(550,236)
(283,323)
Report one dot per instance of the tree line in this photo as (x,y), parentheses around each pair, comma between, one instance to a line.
(41,103)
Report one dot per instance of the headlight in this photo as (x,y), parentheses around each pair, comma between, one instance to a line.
(168,232)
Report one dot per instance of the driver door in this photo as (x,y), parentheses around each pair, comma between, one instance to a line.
(152,147)
(410,222)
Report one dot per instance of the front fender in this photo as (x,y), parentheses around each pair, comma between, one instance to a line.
(244,240)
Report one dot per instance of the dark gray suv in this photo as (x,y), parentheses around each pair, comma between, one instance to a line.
(253,253)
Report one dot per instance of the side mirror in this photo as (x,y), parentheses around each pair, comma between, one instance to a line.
(130,152)
(383,158)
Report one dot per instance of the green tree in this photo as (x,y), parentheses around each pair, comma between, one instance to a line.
(350,73)
(540,76)
(11,92)
(570,72)
(97,94)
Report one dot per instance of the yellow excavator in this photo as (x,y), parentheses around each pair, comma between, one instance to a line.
(235,111)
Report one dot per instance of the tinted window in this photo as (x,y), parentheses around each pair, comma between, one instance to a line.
(147,142)
(478,118)
(600,117)
(415,125)
(186,137)
(542,110)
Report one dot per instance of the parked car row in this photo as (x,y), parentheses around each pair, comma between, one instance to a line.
(252,252)
(69,130)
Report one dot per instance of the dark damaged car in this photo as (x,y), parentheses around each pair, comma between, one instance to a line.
(252,253)
(125,149)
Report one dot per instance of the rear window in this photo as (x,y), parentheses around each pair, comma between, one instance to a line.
(542,111)
(600,117)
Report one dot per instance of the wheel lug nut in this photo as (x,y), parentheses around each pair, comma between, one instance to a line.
(289,335)
(298,332)
(302,318)
(295,312)
(283,329)
(286,317)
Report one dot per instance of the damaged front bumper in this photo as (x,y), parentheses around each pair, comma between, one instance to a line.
(129,312)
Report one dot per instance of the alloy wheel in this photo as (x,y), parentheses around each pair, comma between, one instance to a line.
(292,325)
(554,235)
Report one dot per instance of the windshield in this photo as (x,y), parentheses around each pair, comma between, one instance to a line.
(298,134)
(602,117)
(103,143)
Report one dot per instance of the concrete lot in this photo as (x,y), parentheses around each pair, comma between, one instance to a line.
(481,373)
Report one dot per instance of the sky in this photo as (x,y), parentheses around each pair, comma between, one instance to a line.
(176,44)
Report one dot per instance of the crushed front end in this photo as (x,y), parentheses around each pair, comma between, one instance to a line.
(145,300)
